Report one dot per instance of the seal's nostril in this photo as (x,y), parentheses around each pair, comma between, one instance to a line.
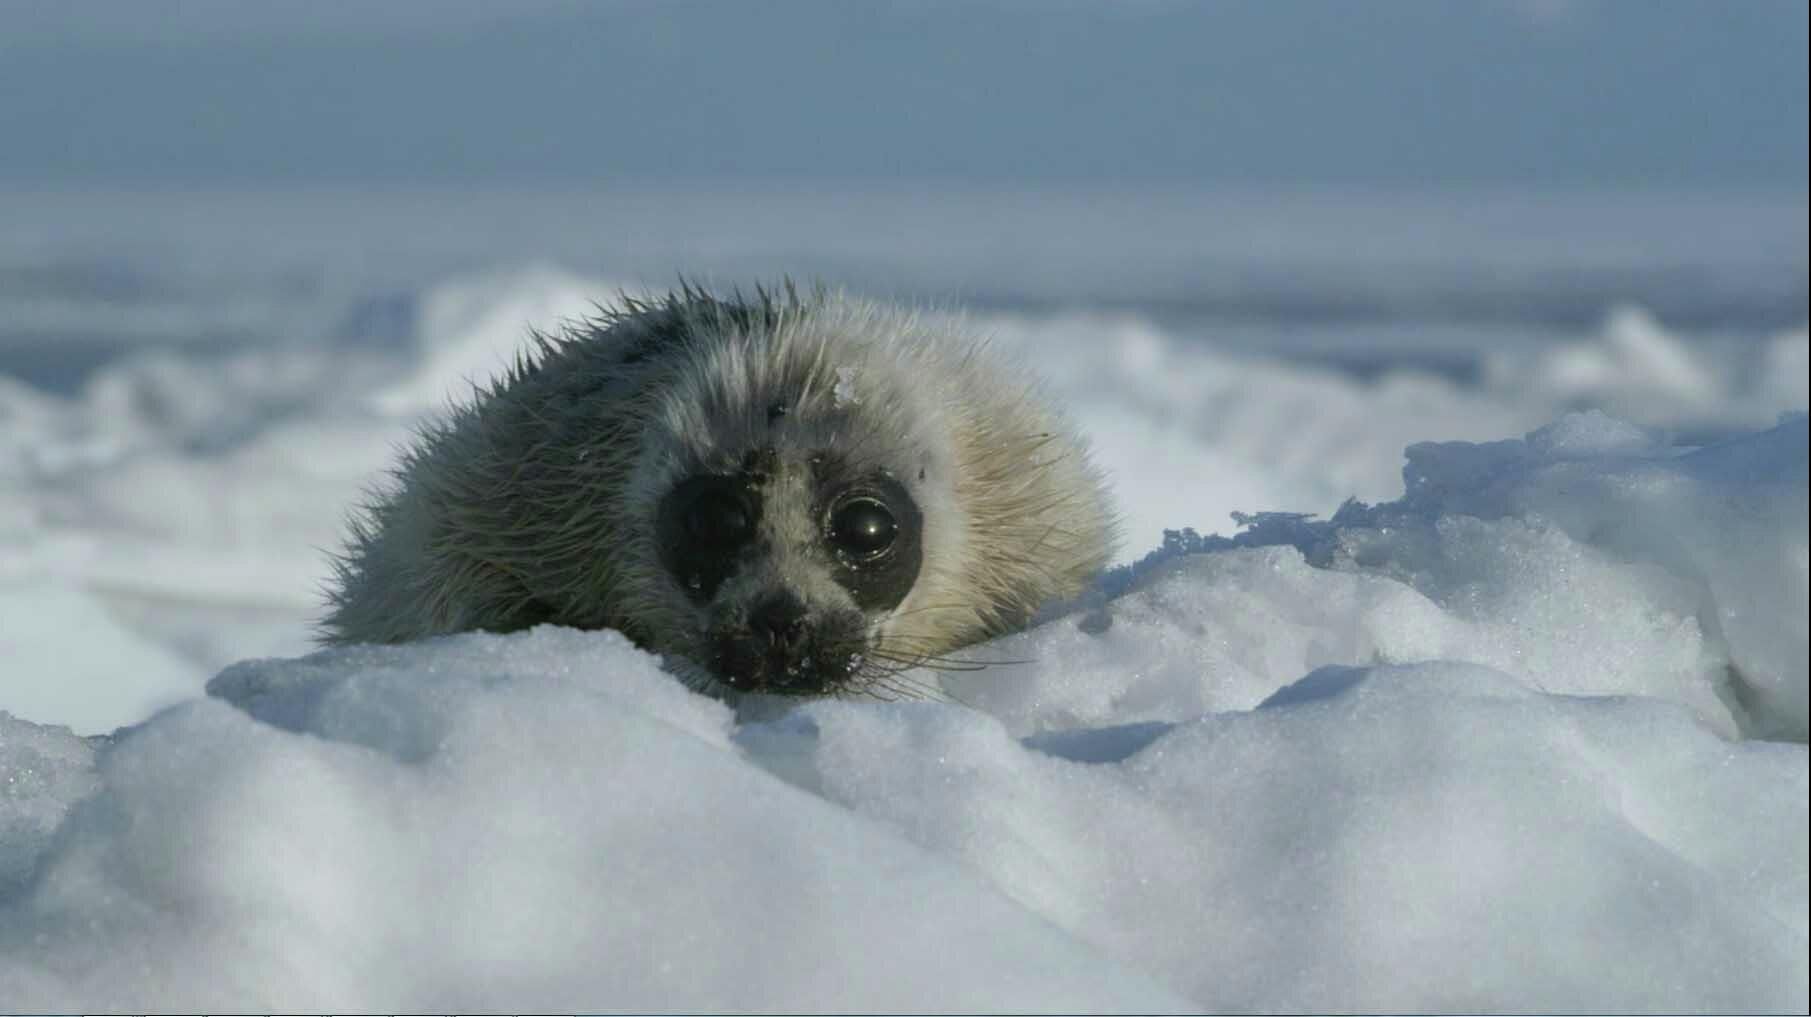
(779,619)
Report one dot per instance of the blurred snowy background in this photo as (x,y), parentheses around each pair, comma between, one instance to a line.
(1257,250)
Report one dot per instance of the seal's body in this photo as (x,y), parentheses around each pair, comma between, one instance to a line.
(792,494)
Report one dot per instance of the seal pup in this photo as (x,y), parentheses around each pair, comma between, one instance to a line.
(791,493)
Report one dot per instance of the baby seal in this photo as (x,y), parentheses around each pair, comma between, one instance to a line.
(801,494)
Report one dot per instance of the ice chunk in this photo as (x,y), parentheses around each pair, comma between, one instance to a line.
(43,771)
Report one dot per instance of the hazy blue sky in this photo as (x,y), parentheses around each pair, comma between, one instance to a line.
(1441,92)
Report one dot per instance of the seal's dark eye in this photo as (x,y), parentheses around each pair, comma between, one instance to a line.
(719,517)
(863,528)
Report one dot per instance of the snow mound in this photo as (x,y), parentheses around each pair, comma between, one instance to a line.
(1493,744)
(1474,749)
(1435,837)
(1587,558)
(188,498)
(546,818)
(488,822)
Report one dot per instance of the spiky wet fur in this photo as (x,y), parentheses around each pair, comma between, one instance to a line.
(535,501)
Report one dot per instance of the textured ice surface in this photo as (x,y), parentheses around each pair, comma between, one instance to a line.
(1587,558)
(484,822)
(1490,741)
(546,819)
(1428,837)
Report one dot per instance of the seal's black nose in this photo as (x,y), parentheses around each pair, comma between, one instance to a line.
(778,622)
(782,648)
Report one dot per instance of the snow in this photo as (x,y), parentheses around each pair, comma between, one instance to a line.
(488,821)
(1586,559)
(40,628)
(1423,837)
(1519,727)
(544,819)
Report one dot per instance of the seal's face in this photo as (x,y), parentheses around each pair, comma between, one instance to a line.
(790,562)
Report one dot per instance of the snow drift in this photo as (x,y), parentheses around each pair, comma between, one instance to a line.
(1489,746)
(1524,732)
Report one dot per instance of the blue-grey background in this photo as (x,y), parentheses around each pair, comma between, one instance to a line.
(1410,93)
(1349,180)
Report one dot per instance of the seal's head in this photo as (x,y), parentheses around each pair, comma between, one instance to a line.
(793,494)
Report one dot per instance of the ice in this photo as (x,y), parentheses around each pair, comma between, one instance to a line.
(545,818)
(43,771)
(1725,523)
(1584,559)
(1429,837)
(1635,352)
(482,821)
(1477,748)
(1521,727)
(1191,432)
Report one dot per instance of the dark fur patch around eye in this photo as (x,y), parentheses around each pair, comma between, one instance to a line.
(704,527)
